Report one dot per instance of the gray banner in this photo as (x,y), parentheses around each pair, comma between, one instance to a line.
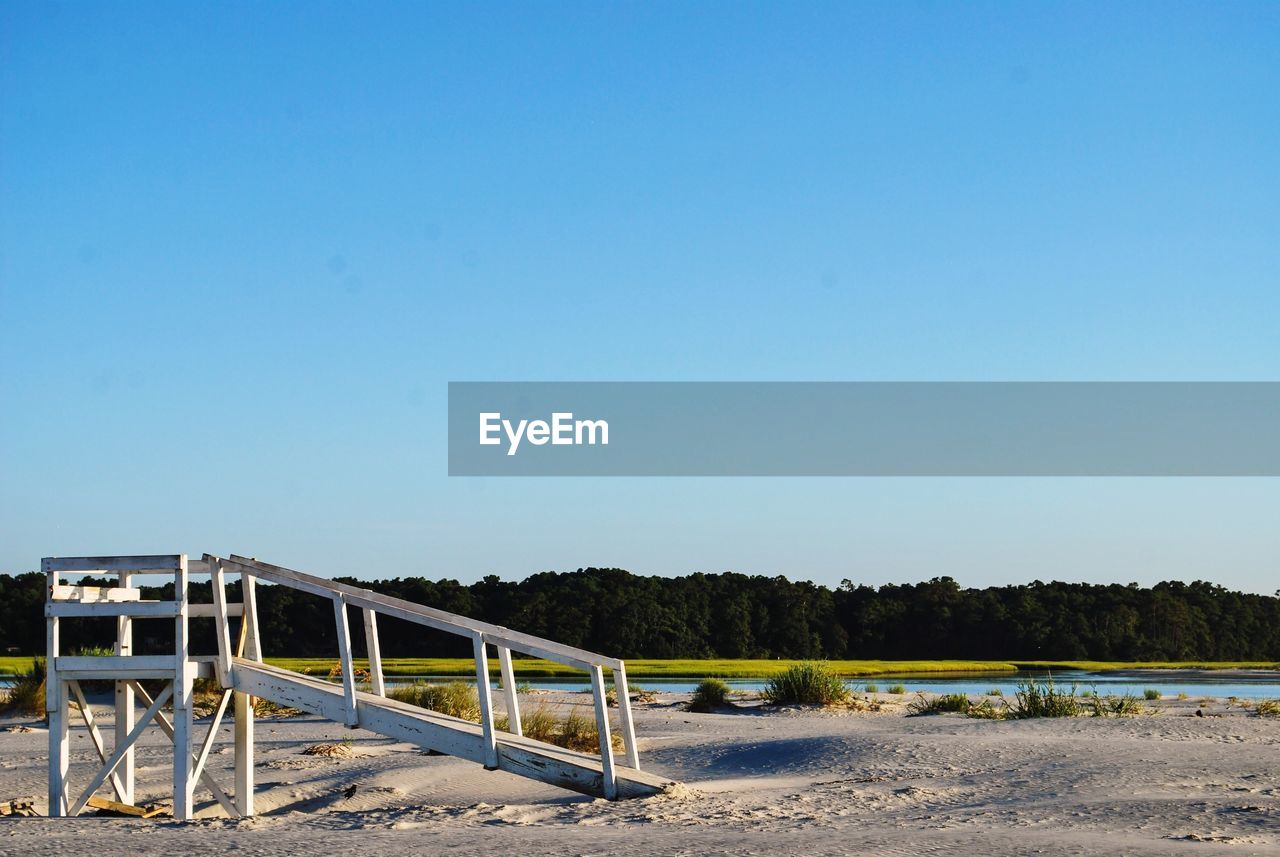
(864,429)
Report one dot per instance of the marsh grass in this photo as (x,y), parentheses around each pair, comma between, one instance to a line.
(897,689)
(575,731)
(710,694)
(1268,708)
(26,696)
(455,699)
(872,687)
(1043,699)
(1151,694)
(808,683)
(943,704)
(1126,705)
(997,692)
(986,710)
(957,703)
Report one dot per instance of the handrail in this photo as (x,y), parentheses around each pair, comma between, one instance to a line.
(421,614)
(481,633)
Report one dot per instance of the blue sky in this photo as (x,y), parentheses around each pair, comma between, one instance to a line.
(244,247)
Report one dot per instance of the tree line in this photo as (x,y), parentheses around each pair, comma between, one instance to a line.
(739,616)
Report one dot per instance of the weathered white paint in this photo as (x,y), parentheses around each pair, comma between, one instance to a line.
(486,701)
(242,672)
(86,714)
(249,597)
(244,754)
(624,715)
(106,666)
(92,594)
(110,765)
(434,731)
(375,651)
(211,735)
(430,616)
(222,627)
(166,562)
(209,611)
(167,728)
(514,725)
(602,730)
(125,778)
(135,609)
(182,782)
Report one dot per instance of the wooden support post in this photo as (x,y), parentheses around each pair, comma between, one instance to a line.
(221,622)
(486,701)
(602,728)
(123,782)
(249,595)
(624,715)
(244,754)
(375,652)
(56,709)
(344,657)
(182,782)
(514,726)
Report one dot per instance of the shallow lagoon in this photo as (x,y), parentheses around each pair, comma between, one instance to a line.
(1195,685)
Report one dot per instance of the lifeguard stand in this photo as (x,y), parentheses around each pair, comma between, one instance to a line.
(242,674)
(127,671)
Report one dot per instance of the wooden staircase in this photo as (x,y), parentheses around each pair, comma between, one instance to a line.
(440,732)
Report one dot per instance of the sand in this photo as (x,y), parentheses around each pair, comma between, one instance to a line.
(796,781)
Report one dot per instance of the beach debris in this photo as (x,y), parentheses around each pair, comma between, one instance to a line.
(341,750)
(19,809)
(115,808)
(19,727)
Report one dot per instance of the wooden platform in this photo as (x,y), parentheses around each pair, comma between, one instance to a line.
(441,733)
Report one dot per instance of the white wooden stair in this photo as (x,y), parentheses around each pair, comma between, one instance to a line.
(439,732)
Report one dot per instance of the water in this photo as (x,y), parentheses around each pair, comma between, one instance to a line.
(1195,687)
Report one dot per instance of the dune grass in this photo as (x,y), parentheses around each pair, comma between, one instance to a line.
(456,698)
(26,697)
(1043,699)
(711,693)
(575,730)
(944,703)
(808,683)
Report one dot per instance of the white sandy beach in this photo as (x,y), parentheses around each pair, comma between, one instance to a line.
(793,781)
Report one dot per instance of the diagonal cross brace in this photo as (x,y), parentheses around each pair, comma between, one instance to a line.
(118,755)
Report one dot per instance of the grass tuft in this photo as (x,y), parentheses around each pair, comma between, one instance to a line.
(1151,694)
(711,693)
(1268,708)
(897,689)
(807,683)
(1043,699)
(1126,705)
(26,696)
(945,703)
(456,698)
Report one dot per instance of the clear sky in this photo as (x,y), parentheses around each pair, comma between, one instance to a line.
(244,247)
